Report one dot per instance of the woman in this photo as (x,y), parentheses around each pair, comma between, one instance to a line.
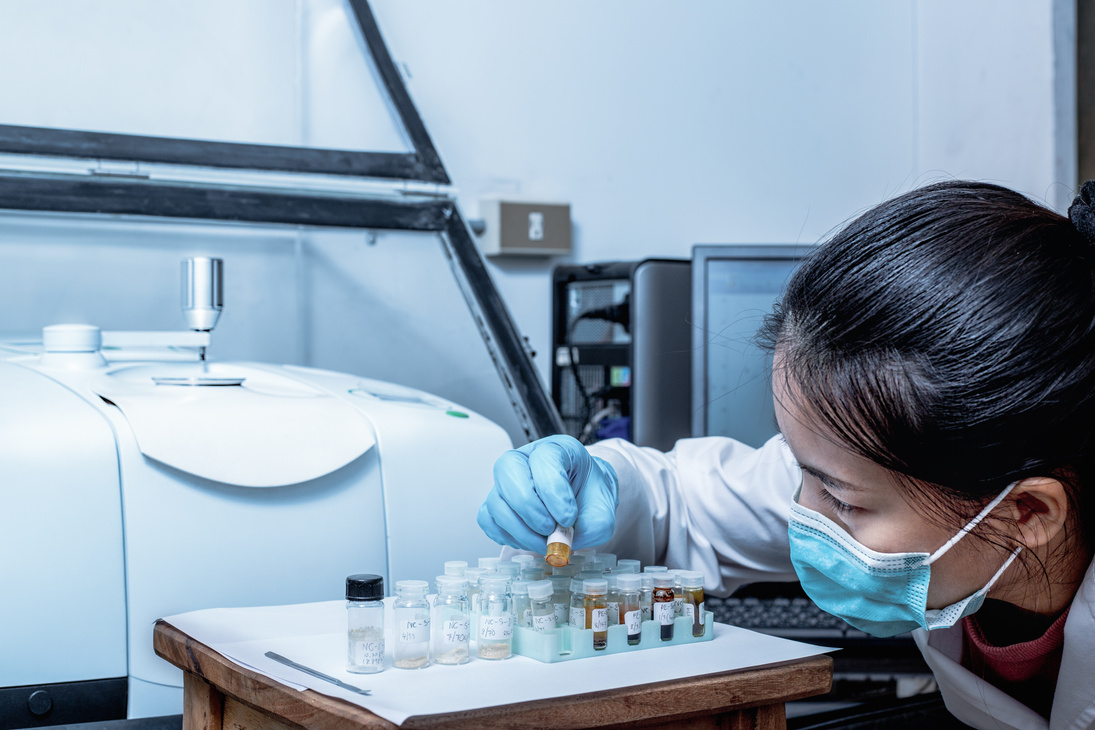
(934,377)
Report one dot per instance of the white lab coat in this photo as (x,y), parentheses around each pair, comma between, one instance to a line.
(716,505)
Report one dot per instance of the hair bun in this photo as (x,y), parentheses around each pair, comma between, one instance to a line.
(1081,212)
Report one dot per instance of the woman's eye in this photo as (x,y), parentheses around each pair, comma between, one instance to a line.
(836,504)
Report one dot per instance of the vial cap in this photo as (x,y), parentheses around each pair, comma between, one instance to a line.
(522,559)
(560,582)
(609,559)
(577,585)
(494,581)
(628,581)
(690,577)
(655,569)
(455,567)
(519,587)
(663,580)
(411,585)
(627,566)
(364,587)
(489,563)
(451,582)
(647,580)
(510,569)
(597,586)
(540,590)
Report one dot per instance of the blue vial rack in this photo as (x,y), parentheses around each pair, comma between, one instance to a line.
(565,643)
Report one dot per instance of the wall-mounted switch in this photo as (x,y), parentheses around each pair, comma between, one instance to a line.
(521,228)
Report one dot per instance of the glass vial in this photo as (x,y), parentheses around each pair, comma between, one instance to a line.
(365,623)
(558,546)
(577,604)
(495,635)
(663,604)
(543,610)
(692,587)
(535,569)
(612,598)
(678,593)
(646,595)
(412,625)
(631,612)
(560,599)
(510,569)
(597,611)
(450,621)
(522,608)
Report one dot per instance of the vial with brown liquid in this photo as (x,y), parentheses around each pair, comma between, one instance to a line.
(596,608)
(663,604)
(693,609)
(558,546)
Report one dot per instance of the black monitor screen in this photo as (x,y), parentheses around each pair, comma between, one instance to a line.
(733,287)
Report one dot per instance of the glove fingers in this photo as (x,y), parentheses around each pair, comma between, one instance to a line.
(556,476)
(597,503)
(513,482)
(511,522)
(492,530)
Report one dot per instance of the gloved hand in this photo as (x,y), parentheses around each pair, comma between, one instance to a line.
(553,480)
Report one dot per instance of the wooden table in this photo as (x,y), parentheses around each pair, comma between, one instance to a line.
(218,693)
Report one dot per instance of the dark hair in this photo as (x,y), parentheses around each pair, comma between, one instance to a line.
(948,334)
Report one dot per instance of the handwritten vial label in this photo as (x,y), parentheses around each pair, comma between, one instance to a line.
(366,653)
(561,611)
(663,613)
(527,619)
(648,613)
(456,631)
(600,619)
(578,618)
(496,628)
(633,620)
(411,626)
(614,608)
(690,610)
(678,603)
(543,623)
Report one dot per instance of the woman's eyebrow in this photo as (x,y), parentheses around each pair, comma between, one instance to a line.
(829,481)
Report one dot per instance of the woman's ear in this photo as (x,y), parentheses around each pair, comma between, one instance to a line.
(1039,510)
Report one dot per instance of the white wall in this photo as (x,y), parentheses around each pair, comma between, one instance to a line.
(663,125)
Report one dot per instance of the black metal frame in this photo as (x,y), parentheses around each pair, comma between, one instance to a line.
(61,193)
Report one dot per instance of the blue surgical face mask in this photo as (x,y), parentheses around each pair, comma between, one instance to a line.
(882,594)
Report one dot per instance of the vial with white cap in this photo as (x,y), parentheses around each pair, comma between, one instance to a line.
(522,608)
(412,625)
(494,638)
(693,609)
(631,612)
(450,621)
(543,610)
(596,609)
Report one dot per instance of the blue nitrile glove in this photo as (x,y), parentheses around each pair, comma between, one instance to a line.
(553,480)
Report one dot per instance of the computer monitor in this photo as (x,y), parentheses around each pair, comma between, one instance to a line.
(733,287)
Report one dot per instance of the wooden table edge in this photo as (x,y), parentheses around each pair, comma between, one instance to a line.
(708,694)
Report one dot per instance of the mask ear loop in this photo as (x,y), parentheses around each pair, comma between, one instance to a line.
(972,523)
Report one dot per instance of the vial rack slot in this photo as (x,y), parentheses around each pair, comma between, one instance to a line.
(566,643)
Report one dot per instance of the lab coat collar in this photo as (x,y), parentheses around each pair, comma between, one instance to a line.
(976,702)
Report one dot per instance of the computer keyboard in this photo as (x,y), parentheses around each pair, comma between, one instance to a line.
(788,615)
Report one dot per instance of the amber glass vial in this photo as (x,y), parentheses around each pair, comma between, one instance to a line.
(663,604)
(597,611)
(558,546)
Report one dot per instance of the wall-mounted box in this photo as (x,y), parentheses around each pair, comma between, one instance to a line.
(521,228)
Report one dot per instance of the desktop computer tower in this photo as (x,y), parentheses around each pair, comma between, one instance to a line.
(622,350)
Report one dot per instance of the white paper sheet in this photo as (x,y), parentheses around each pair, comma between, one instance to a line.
(314,634)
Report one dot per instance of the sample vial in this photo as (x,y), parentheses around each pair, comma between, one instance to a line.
(608,560)
(558,546)
(412,625)
(535,569)
(510,569)
(494,639)
(456,567)
(626,566)
(365,623)
(543,611)
(473,575)
(450,621)
(577,604)
(490,563)
(678,593)
(692,587)
(596,609)
(663,604)
(612,598)
(646,595)
(522,608)
(560,598)
(523,560)
(631,612)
